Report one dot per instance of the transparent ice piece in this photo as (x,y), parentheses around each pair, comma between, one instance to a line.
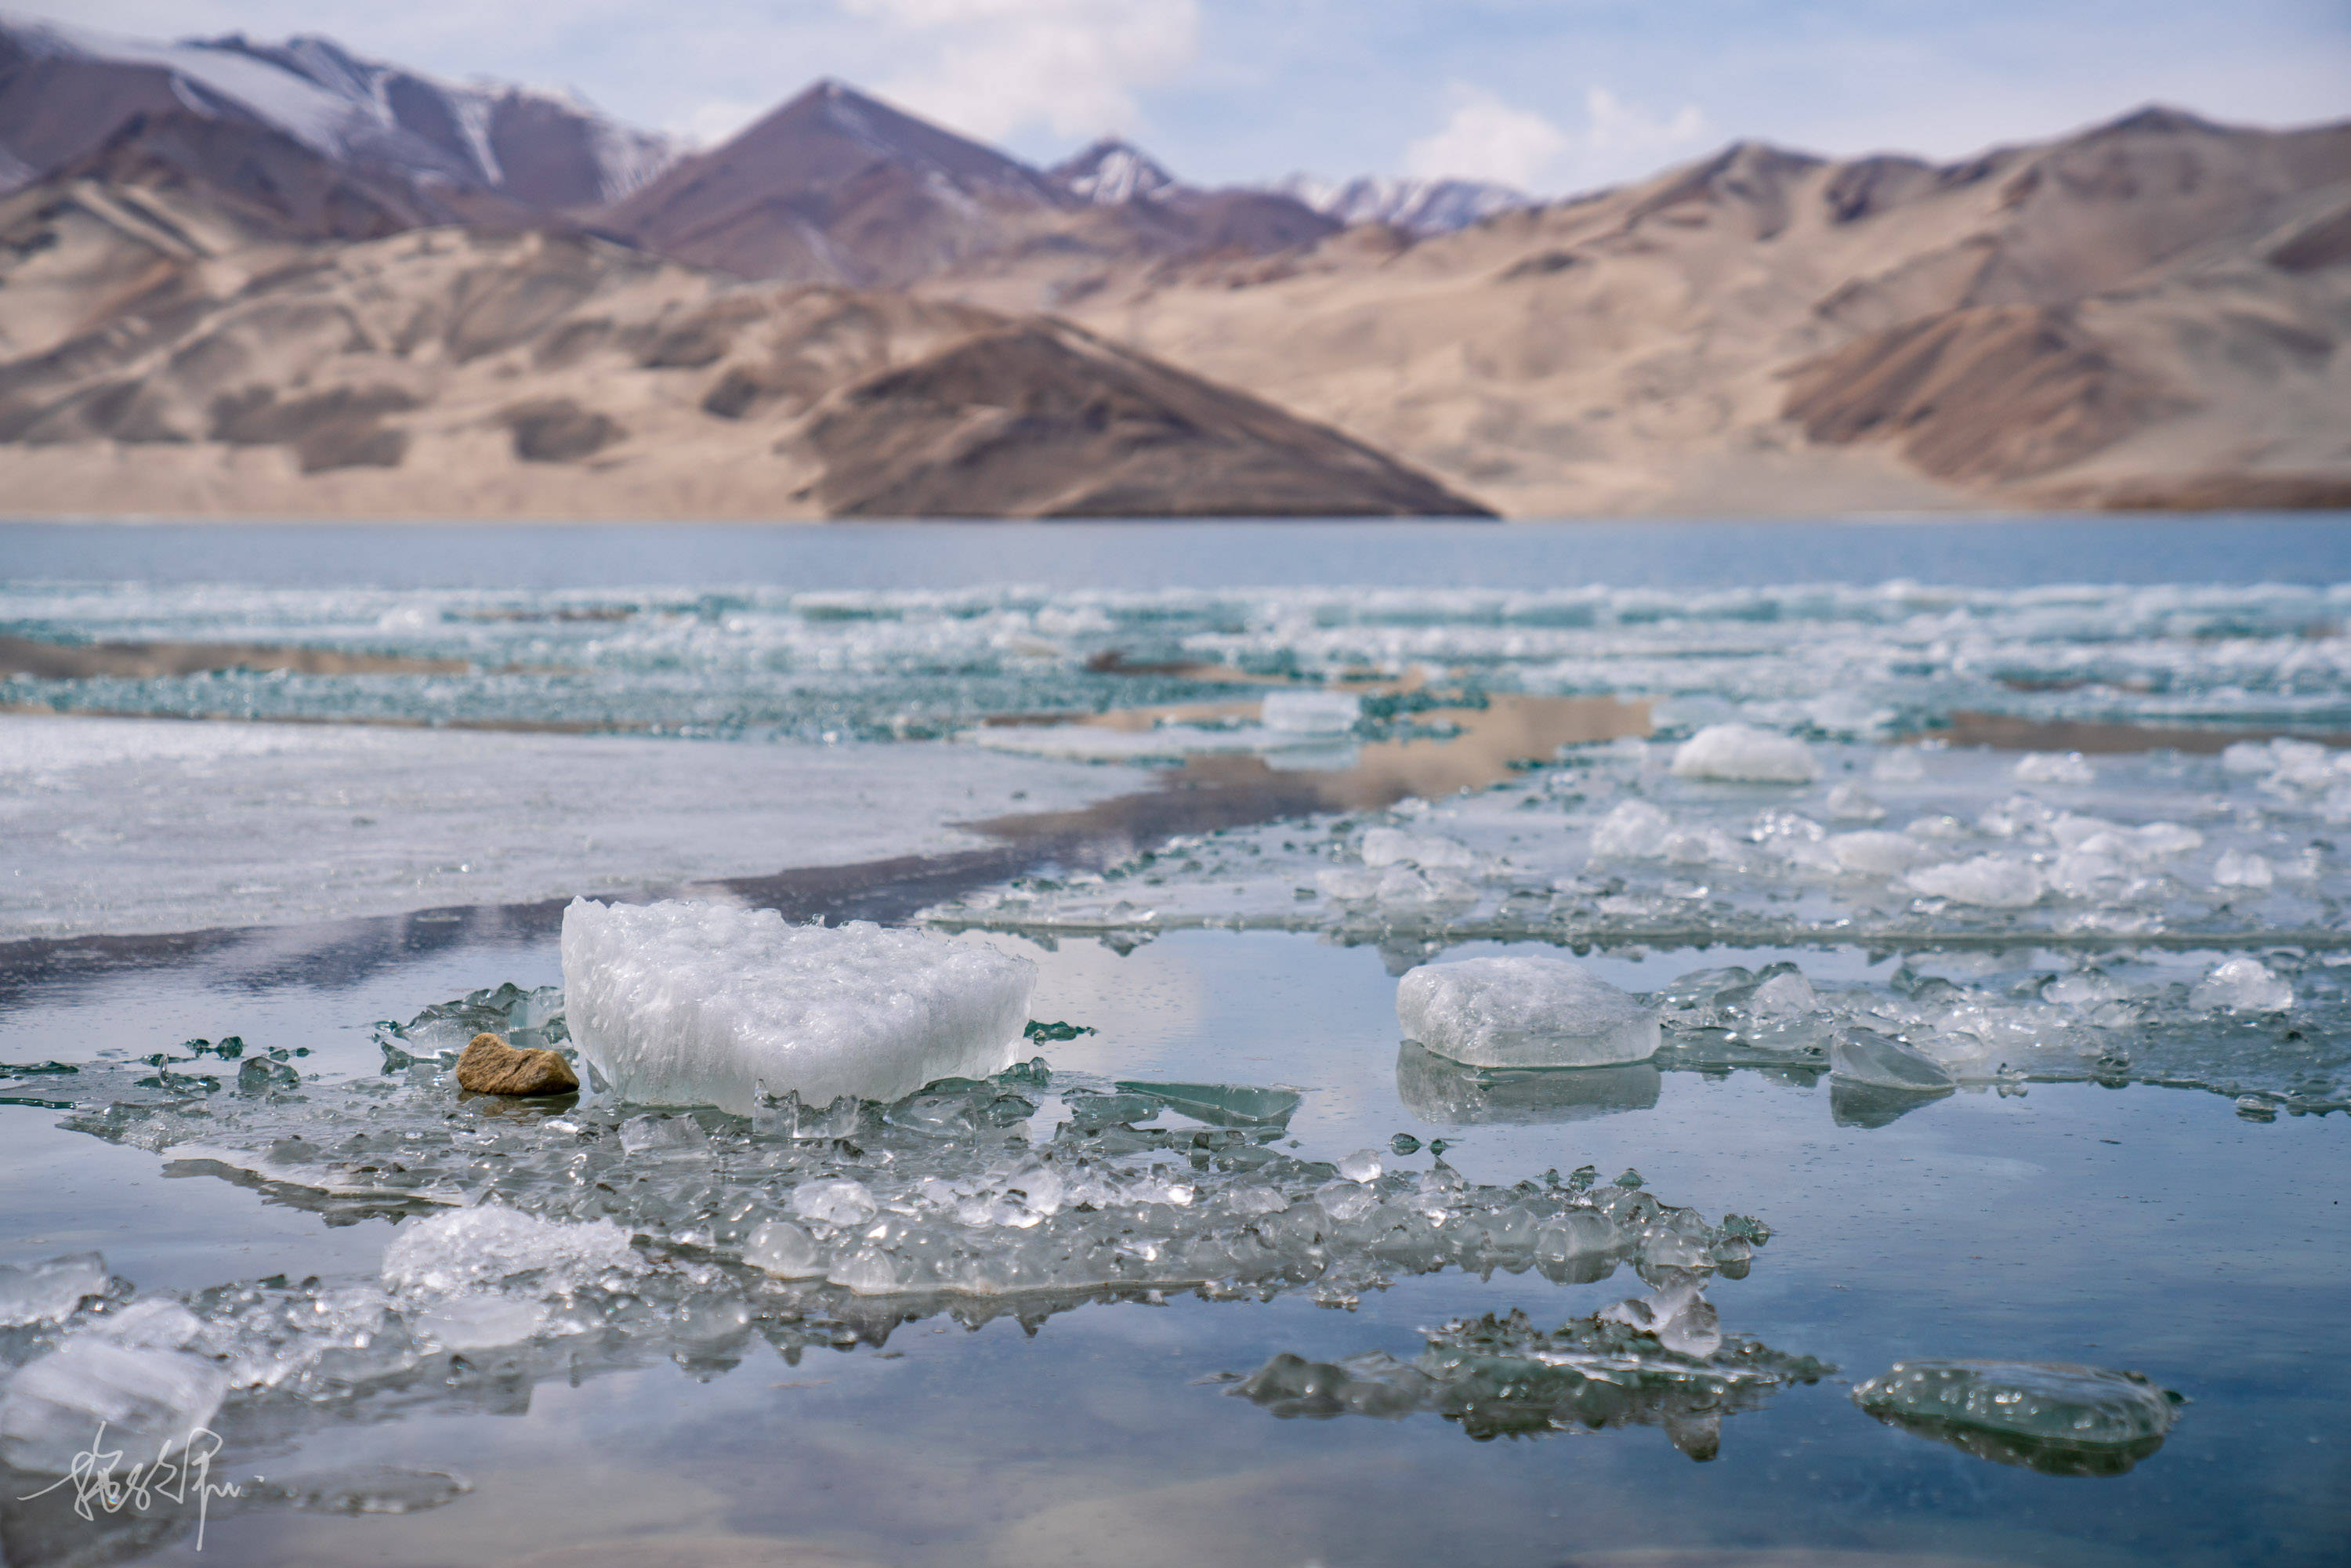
(1523,1012)
(150,1402)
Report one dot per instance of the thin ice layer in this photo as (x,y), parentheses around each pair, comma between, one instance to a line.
(2054,1400)
(1523,1012)
(705,1004)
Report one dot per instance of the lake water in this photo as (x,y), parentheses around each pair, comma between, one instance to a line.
(2045,837)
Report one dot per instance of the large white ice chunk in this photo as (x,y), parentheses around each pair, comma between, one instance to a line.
(702,1004)
(1742,754)
(1990,882)
(1311,712)
(148,1400)
(44,1292)
(1523,1012)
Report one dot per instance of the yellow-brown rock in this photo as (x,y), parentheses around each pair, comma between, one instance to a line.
(490,1066)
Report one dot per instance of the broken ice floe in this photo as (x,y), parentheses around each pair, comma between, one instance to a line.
(2052,1417)
(147,1402)
(1523,1012)
(708,1004)
(1608,844)
(1655,1361)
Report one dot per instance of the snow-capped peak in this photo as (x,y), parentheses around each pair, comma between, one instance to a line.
(1420,205)
(1111,173)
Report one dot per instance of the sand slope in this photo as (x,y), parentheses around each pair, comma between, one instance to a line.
(2149,314)
(184,341)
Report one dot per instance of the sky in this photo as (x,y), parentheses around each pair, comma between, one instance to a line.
(1551,96)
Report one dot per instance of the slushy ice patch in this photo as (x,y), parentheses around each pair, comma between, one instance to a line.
(1622,842)
(1635,1363)
(708,1004)
(1523,1012)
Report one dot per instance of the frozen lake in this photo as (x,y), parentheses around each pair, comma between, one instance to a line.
(1209,1279)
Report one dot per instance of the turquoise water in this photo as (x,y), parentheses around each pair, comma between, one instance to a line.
(2124,1217)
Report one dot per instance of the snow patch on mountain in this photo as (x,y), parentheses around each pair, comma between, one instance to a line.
(1420,205)
(1111,172)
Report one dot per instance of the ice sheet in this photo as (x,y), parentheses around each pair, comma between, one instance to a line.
(123,826)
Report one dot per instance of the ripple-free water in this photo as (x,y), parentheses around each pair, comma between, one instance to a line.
(2064,1203)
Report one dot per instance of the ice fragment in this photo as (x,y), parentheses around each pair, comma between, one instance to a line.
(1740,752)
(149,1401)
(44,1292)
(1991,882)
(1866,1056)
(1523,1012)
(1311,712)
(2242,984)
(690,1004)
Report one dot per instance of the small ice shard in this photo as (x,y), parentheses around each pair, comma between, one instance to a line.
(1523,1012)
(2054,767)
(2242,984)
(2237,868)
(1632,831)
(479,1322)
(1393,846)
(1364,1165)
(1348,885)
(2050,1400)
(694,1004)
(150,1401)
(1680,1317)
(785,1251)
(1741,753)
(1849,802)
(1991,882)
(478,1249)
(46,1293)
(1311,712)
(839,1202)
(1783,996)
(1874,852)
(1222,1105)
(1866,1056)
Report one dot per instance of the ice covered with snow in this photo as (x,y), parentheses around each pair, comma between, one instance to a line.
(149,1402)
(1741,753)
(49,1291)
(708,1004)
(125,826)
(1311,712)
(1523,1012)
(2054,767)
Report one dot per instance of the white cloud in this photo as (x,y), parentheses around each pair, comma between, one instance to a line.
(1488,139)
(993,68)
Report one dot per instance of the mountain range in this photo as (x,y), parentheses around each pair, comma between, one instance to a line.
(238,277)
